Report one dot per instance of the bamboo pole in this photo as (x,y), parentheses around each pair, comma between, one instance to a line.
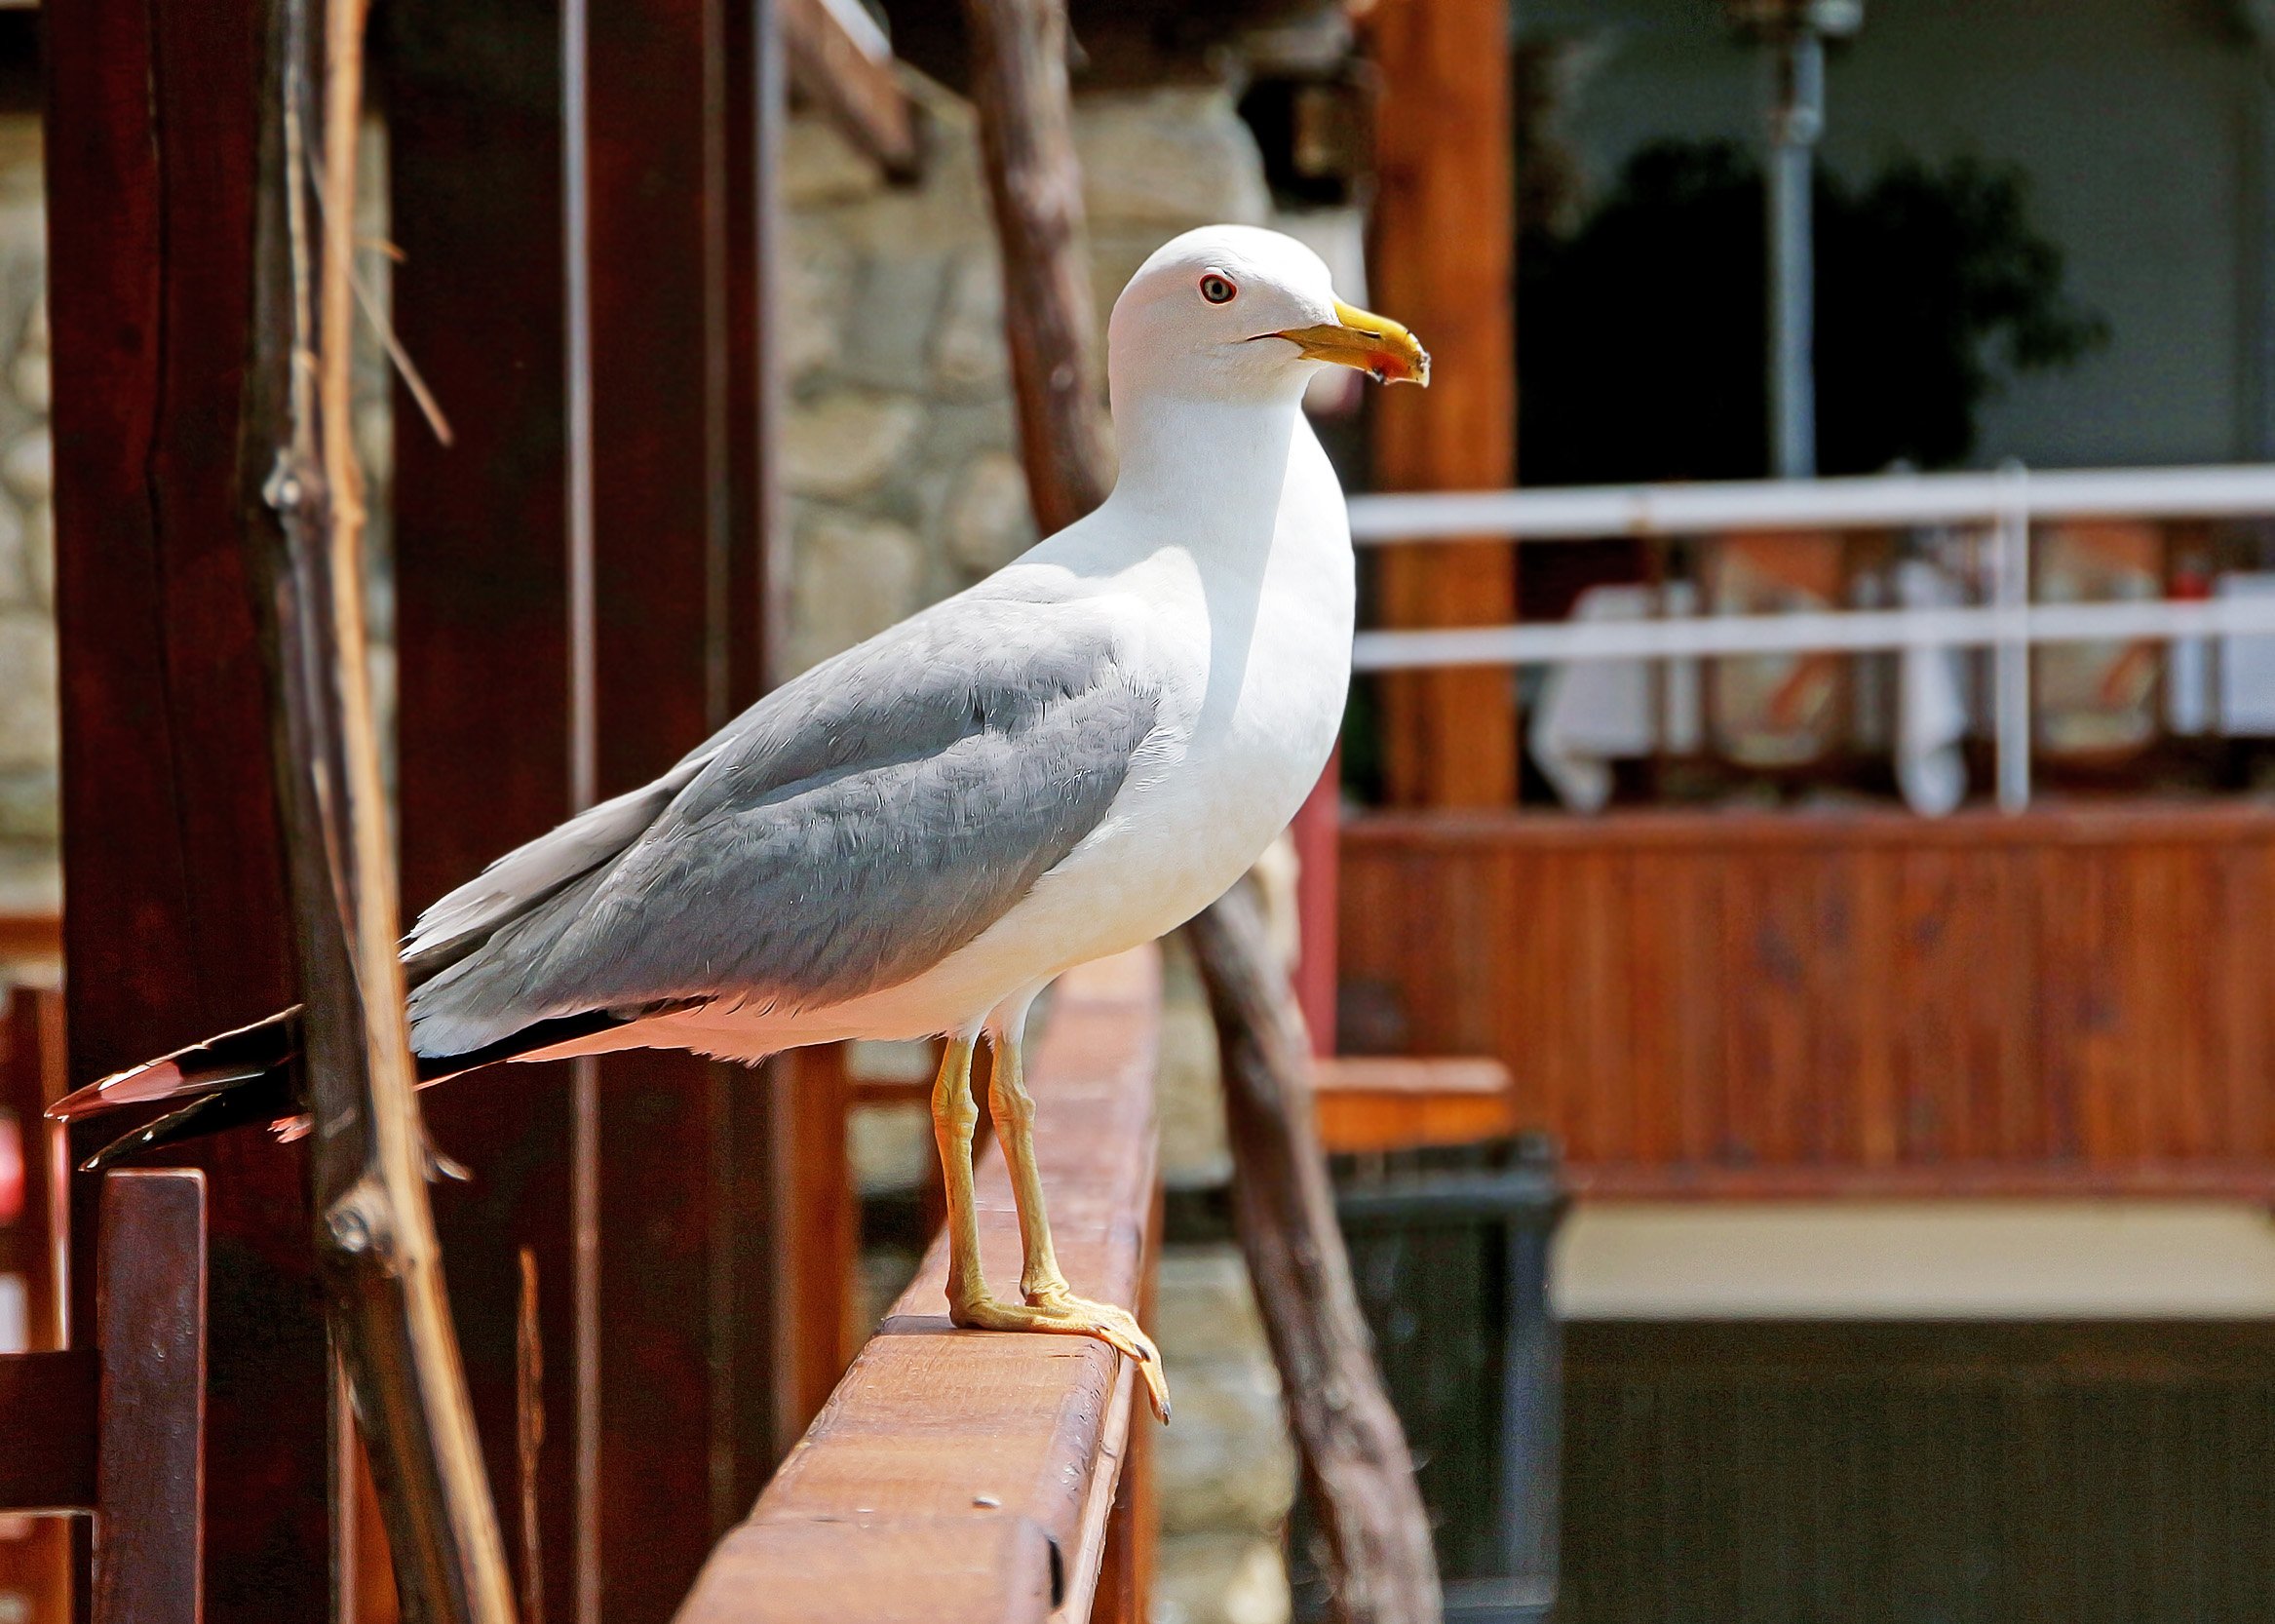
(1355,1468)
(374,1233)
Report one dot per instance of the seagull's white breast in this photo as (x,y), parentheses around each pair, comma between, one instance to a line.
(1260,670)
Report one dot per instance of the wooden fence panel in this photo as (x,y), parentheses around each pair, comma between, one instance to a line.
(2067,999)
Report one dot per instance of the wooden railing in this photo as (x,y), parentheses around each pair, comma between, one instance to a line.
(960,1475)
(117,1428)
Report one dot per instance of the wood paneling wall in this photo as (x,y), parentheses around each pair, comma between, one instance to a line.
(1731,1004)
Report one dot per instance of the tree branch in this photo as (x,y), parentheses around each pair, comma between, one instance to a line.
(1026,137)
(1355,1469)
(374,1234)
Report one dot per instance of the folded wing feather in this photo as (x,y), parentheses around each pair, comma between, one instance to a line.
(851,829)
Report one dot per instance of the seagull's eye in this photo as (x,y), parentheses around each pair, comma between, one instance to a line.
(1218,288)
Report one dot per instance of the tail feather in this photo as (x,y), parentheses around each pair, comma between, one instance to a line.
(266,1098)
(246,1055)
(240,1077)
(244,1077)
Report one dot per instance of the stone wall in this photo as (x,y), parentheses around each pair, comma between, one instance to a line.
(30,737)
(29,734)
(898,445)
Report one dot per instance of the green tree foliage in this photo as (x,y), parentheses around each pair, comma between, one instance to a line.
(1641,336)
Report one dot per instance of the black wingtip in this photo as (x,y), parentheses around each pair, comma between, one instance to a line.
(259,1100)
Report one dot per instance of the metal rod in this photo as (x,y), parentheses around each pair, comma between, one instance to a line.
(1796,119)
(1874,501)
(2011,664)
(1853,632)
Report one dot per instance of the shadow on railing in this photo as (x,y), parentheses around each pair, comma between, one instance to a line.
(971,1476)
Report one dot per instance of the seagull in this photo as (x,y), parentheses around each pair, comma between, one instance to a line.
(913,839)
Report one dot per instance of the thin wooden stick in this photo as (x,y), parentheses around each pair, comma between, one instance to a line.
(1357,1472)
(1380,1561)
(374,1233)
(1027,133)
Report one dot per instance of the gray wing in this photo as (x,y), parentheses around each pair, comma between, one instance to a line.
(536,872)
(848,832)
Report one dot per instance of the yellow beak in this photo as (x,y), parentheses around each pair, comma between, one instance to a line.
(1375,345)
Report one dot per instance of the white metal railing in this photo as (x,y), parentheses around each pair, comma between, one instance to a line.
(1873,501)
(2006,503)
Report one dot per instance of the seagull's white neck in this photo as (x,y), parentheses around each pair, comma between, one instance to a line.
(1207,491)
(1208,469)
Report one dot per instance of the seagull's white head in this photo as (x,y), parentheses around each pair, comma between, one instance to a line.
(1233,312)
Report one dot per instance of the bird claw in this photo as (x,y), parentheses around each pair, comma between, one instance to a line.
(1119,1328)
(1066,1314)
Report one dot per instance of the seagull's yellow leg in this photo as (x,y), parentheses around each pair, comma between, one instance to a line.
(1040,1281)
(1050,1306)
(953,1118)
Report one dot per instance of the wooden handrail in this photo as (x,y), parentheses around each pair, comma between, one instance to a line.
(969,1477)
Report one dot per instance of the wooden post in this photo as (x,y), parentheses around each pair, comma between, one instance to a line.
(680,124)
(820,1225)
(1353,1451)
(482,642)
(1125,1585)
(150,1452)
(171,850)
(1443,252)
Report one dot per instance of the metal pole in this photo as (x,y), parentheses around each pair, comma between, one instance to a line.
(1531,1386)
(1797,117)
(2011,657)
